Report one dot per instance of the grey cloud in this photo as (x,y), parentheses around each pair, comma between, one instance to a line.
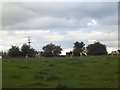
(13,14)
(22,15)
(66,40)
(75,10)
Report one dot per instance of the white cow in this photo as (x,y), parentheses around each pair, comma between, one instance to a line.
(0,57)
(26,56)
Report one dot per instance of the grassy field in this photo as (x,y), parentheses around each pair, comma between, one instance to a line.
(61,72)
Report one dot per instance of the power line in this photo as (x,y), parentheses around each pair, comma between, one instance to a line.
(29,42)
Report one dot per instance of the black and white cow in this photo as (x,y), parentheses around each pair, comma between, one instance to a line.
(115,53)
(71,54)
(83,53)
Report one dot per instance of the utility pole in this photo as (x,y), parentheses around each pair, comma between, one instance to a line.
(29,42)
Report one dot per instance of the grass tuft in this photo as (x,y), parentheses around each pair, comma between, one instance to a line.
(53,77)
(40,77)
(15,76)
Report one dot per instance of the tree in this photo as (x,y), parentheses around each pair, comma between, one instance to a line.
(51,50)
(96,49)
(14,51)
(32,52)
(4,54)
(26,50)
(78,47)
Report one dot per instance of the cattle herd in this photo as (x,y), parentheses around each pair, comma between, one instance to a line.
(71,54)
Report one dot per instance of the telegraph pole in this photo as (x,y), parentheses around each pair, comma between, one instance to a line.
(29,42)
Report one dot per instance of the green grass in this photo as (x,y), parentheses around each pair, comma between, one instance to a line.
(61,72)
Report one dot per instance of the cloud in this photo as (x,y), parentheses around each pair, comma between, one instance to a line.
(48,15)
(93,22)
(61,23)
(46,23)
(66,39)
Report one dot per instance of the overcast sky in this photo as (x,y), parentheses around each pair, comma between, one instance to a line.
(61,23)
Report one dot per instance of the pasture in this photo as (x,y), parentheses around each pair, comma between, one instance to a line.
(60,72)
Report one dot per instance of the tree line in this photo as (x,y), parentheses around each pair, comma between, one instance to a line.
(51,49)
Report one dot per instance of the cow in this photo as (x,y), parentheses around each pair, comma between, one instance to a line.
(83,53)
(117,53)
(26,56)
(69,53)
(40,54)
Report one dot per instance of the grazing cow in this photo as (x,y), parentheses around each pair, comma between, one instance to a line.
(115,53)
(40,54)
(83,53)
(69,54)
(26,56)
(118,52)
